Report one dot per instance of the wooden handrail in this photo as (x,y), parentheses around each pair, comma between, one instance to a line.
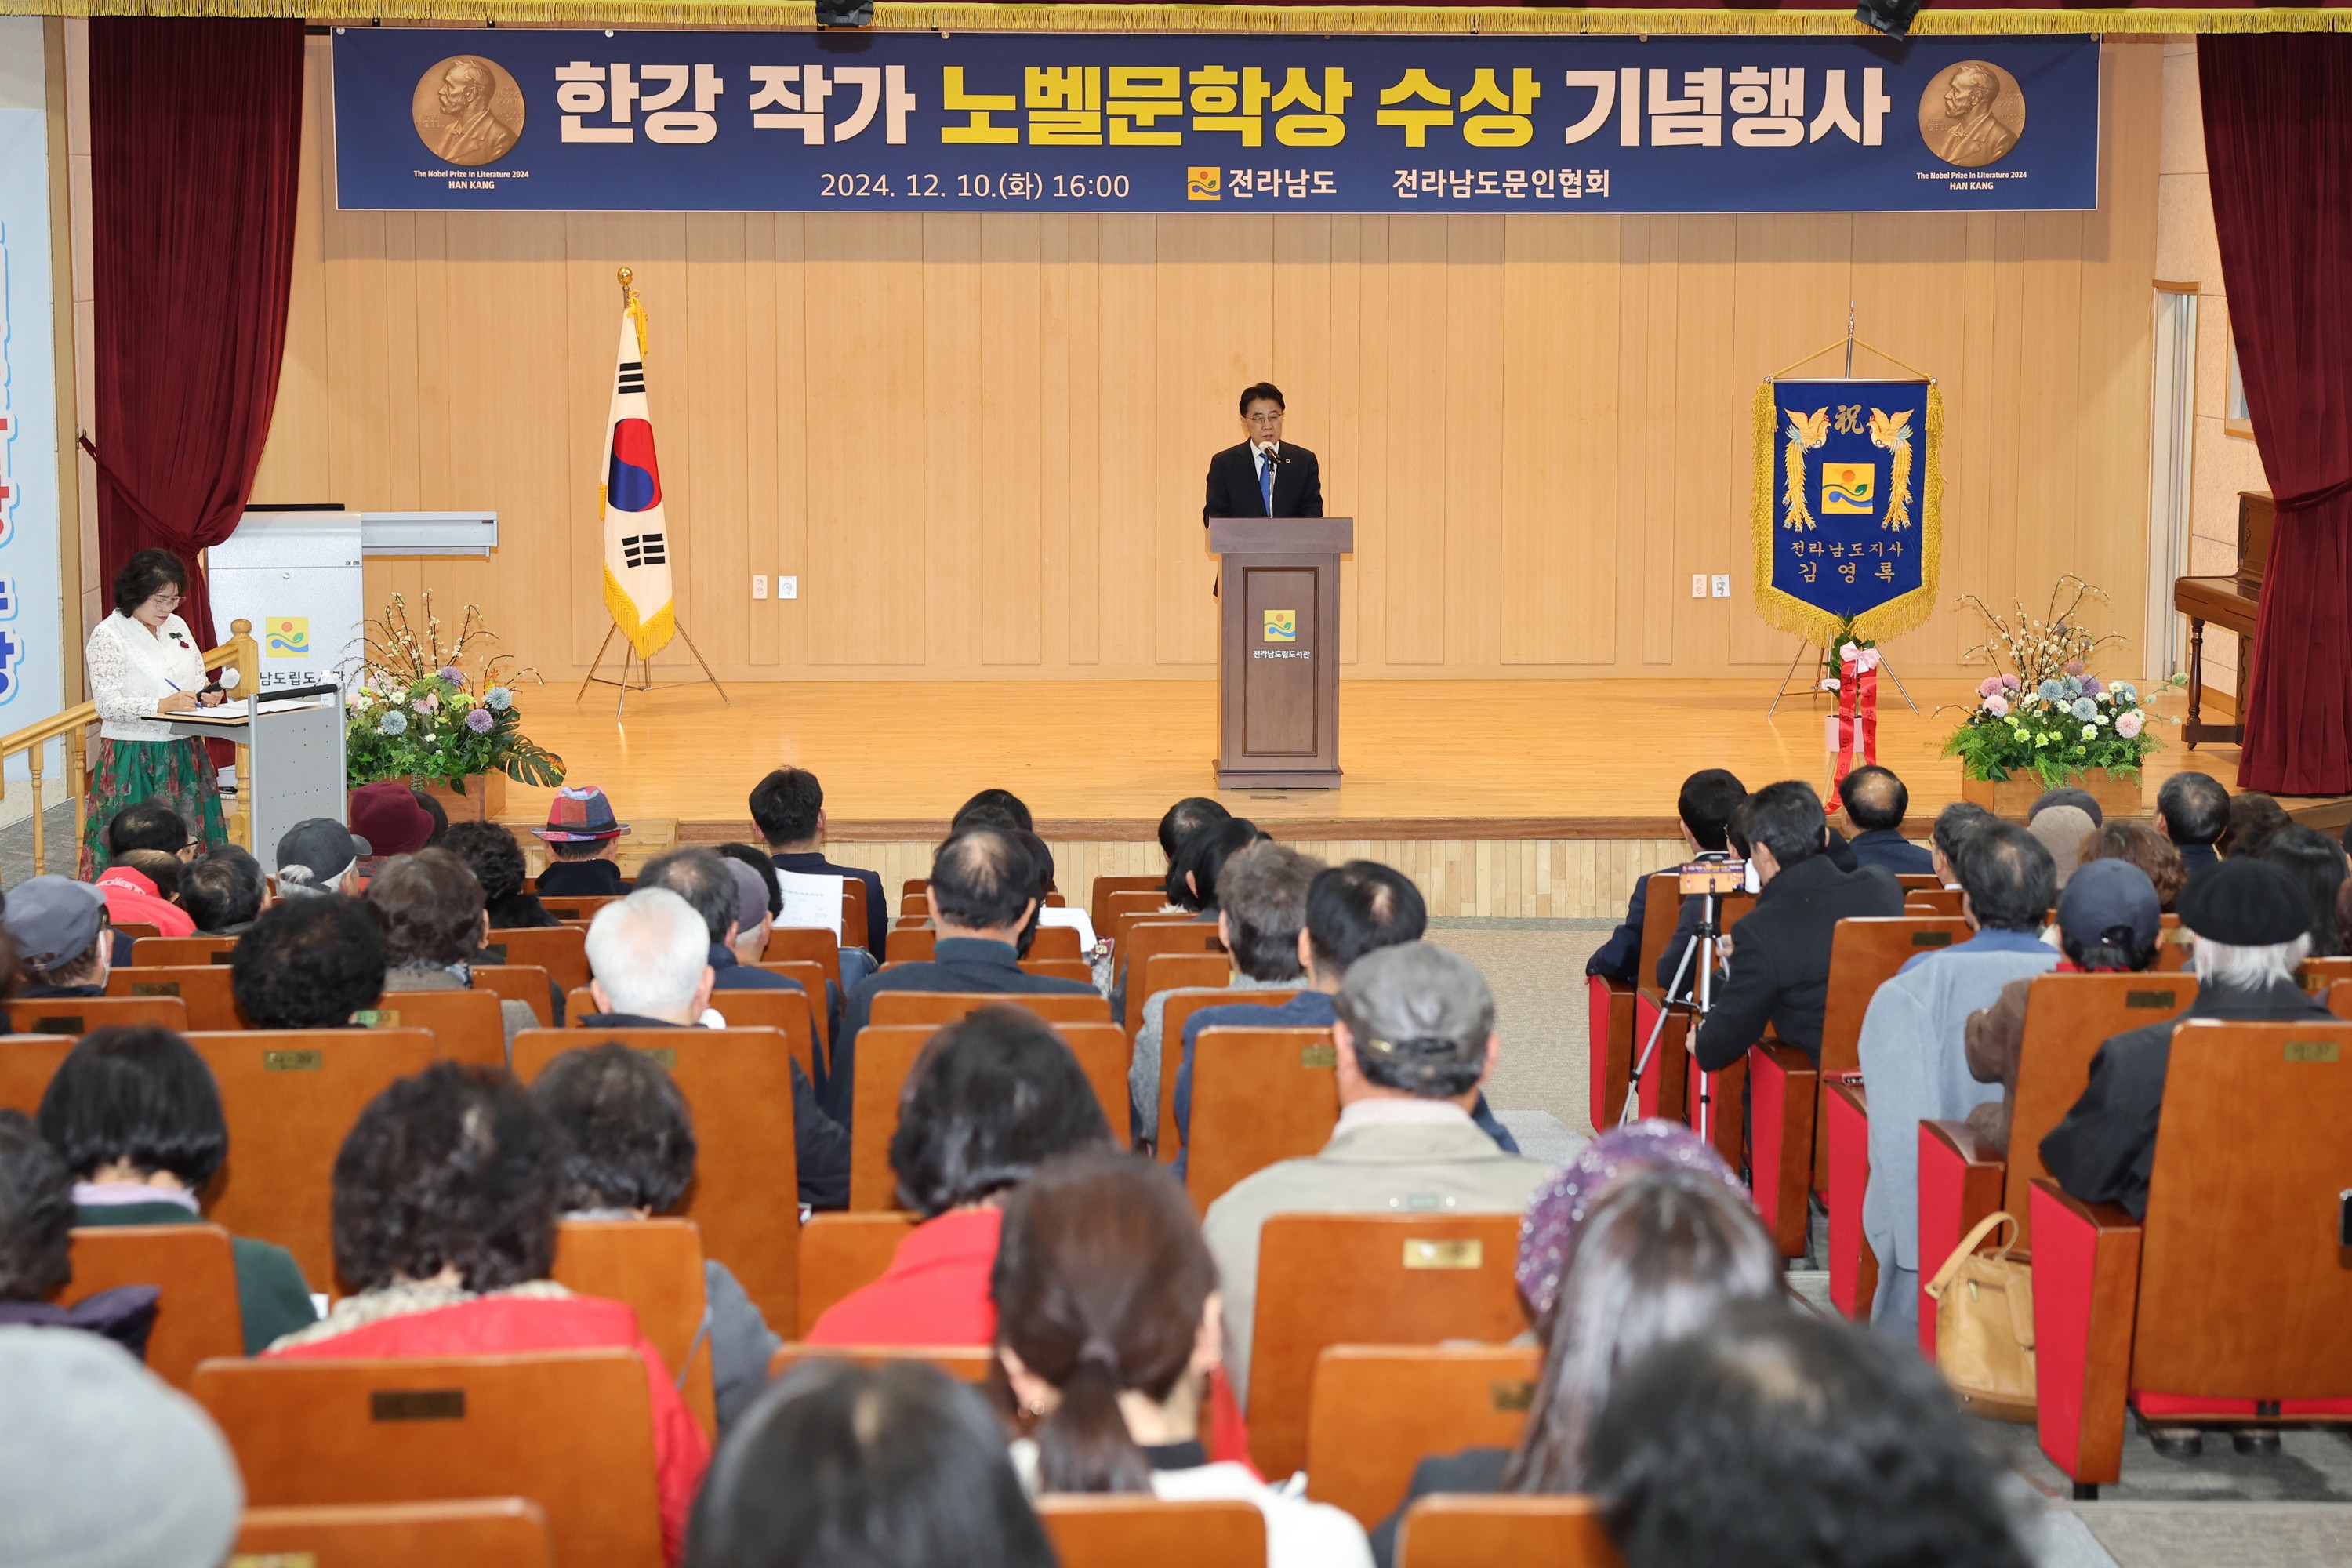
(73,726)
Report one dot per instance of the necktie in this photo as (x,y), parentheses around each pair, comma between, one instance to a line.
(1265,479)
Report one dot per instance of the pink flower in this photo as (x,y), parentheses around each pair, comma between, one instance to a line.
(1997,705)
(2074,667)
(428,703)
(1988,685)
(2013,683)
(2129,724)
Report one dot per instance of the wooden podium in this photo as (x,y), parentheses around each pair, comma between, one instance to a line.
(1279,650)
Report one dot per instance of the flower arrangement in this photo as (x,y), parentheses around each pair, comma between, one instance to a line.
(2041,711)
(417,714)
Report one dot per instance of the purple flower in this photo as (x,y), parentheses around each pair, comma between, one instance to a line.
(452,673)
(479,721)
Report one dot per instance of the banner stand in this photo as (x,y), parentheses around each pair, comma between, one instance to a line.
(645,668)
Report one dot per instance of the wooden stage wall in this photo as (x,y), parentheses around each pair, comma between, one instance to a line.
(979,441)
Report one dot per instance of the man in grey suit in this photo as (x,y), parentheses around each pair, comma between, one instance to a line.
(1415,1028)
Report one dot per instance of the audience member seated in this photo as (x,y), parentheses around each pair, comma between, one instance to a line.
(2253,817)
(1779,975)
(2142,847)
(140,886)
(309,964)
(222,891)
(434,925)
(1193,884)
(2316,862)
(1914,1043)
(992,808)
(708,883)
(2108,923)
(630,1156)
(840,1466)
(582,835)
(1183,820)
(1781,1439)
(1351,910)
(56,924)
(649,956)
(1649,1254)
(149,824)
(2193,810)
(315,856)
(982,898)
(2082,800)
(103,1465)
(1108,1329)
(1875,802)
(1415,1028)
(393,819)
(438,838)
(490,852)
(2252,934)
(1261,915)
(788,806)
(1707,799)
(757,919)
(36,1220)
(2062,830)
(990,1098)
(447,1193)
(1952,823)
(136,1117)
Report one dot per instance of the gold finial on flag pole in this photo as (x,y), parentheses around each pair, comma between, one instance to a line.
(624,275)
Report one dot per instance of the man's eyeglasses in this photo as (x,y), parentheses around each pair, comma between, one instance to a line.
(1274,418)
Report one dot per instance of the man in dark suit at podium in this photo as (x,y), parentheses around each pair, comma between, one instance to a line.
(1263,477)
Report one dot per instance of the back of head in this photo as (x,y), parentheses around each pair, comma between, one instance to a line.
(1359,908)
(839,1466)
(1661,1253)
(2060,829)
(453,1168)
(1262,893)
(703,881)
(104,1465)
(1875,798)
(57,928)
(1787,818)
(139,1094)
(1706,805)
(160,867)
(982,878)
(1101,1282)
(309,964)
(784,807)
(37,1215)
(221,888)
(2008,877)
(2108,918)
(1954,823)
(992,1096)
(490,852)
(627,1131)
(761,866)
(1201,860)
(2082,800)
(2253,817)
(1184,819)
(1821,1446)
(2193,807)
(2252,922)
(150,823)
(431,908)
(1419,1019)
(2156,855)
(648,952)
(2316,864)
(992,808)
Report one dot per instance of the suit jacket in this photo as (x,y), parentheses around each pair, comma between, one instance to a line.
(958,963)
(1234,491)
(1887,846)
(582,879)
(813,863)
(1780,971)
(728,973)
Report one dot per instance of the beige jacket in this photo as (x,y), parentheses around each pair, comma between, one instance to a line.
(1387,1157)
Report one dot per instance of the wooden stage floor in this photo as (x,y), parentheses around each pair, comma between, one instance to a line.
(1481,759)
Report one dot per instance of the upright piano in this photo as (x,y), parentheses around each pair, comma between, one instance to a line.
(2232,603)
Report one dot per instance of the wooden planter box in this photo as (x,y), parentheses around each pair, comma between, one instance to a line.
(2012,796)
(485,797)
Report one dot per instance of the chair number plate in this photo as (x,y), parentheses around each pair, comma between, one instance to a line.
(2312,1050)
(417,1404)
(1319,1056)
(1448,1253)
(293,1061)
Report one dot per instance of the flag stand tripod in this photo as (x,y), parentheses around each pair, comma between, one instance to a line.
(645,666)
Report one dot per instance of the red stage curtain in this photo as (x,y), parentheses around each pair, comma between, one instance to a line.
(195,143)
(2278,148)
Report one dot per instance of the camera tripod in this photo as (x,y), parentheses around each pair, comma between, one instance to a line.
(1702,945)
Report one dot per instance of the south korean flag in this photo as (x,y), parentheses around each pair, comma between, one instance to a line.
(629,495)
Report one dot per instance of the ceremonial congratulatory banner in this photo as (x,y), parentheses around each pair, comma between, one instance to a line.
(868,121)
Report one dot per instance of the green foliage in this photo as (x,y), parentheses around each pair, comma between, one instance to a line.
(416,713)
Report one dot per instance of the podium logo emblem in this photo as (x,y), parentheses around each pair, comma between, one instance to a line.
(1282,626)
(1850,488)
(1204,185)
(288,637)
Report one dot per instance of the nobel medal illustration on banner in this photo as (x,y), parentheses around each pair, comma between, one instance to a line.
(1848,510)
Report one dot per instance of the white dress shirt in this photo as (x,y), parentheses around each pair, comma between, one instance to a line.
(131,670)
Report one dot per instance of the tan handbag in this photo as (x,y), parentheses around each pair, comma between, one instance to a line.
(1984,1324)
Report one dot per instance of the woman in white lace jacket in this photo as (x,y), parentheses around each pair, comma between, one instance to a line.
(143,665)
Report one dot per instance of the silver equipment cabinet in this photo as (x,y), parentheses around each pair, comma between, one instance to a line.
(294,759)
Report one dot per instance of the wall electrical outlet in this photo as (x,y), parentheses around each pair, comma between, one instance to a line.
(1698,584)
(788,587)
(1723,585)
(759,586)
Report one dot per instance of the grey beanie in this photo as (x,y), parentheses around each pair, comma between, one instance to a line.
(103,1465)
(1418,1002)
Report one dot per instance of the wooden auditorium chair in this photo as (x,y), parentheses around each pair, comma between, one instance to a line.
(2319,973)
(77,1015)
(937,1007)
(656,1266)
(1173,1019)
(965,1364)
(1055,941)
(28,1062)
(193,1265)
(1962,1178)
(911,944)
(157,951)
(790,1014)
(1621,1017)
(853,912)
(204,987)
(562,951)
(524,983)
(1139,1530)
(842,1253)
(480,1532)
(811,978)
(1175,972)
(1076,969)
(1932,901)
(577,908)
(1258,1096)
(1524,1532)
(290,1096)
(465,1023)
(1147,939)
(2339,999)
(1099,908)
(804,944)
(1377,1411)
(2226,1306)
(137,930)
(738,1084)
(1327,1279)
(572,1430)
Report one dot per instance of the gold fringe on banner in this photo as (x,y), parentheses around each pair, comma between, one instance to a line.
(888,16)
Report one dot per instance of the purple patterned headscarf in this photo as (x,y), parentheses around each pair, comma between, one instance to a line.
(1547,1233)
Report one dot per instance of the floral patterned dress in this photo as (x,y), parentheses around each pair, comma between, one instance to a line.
(131,671)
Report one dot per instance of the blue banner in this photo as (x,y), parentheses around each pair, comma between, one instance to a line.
(866,121)
(1849,502)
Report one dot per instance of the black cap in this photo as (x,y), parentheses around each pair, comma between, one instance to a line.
(2246,903)
(2079,798)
